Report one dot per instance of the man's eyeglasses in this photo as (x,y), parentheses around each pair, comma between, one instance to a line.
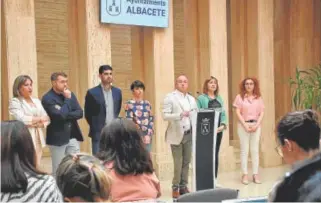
(278,149)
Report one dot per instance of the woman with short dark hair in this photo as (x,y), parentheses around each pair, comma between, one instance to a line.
(130,166)
(21,180)
(140,111)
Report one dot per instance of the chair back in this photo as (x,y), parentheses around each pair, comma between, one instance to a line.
(261,199)
(210,195)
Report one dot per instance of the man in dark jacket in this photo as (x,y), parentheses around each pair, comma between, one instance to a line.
(102,105)
(63,133)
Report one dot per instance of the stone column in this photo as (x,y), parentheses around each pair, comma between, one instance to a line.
(238,56)
(203,37)
(2,65)
(191,46)
(159,79)
(89,47)
(219,69)
(282,71)
(266,77)
(186,42)
(304,34)
(251,49)
(297,26)
(137,53)
(18,54)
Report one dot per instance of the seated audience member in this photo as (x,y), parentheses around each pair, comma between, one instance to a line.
(21,180)
(302,184)
(82,178)
(124,155)
(298,134)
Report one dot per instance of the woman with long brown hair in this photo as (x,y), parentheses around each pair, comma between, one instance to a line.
(21,179)
(211,99)
(249,110)
(128,162)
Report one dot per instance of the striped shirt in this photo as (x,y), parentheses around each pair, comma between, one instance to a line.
(42,188)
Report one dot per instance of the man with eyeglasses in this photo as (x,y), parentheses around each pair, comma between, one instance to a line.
(298,134)
(63,133)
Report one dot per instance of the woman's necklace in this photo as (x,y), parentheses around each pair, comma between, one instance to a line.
(249,99)
(211,96)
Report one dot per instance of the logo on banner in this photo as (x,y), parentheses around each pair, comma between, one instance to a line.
(205,126)
(113,7)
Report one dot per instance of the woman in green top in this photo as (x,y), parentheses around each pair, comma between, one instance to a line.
(209,99)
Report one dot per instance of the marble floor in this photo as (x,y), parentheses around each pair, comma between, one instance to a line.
(225,179)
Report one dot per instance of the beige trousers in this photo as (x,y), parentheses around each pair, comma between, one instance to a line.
(249,141)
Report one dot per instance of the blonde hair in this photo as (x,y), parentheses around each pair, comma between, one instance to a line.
(82,175)
(18,82)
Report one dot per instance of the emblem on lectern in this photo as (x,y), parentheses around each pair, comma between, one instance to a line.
(205,126)
(113,7)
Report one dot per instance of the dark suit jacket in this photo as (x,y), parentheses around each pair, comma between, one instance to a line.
(63,114)
(95,109)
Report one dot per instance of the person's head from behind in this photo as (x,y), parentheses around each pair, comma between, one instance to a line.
(59,81)
(82,178)
(181,83)
(18,157)
(298,134)
(106,74)
(121,144)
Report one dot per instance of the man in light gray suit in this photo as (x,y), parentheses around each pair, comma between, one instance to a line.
(178,109)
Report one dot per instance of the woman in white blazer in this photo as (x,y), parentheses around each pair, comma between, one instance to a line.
(29,110)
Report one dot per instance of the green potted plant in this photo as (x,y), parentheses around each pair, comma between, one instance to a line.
(306,89)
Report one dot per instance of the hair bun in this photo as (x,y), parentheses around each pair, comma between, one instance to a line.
(310,115)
